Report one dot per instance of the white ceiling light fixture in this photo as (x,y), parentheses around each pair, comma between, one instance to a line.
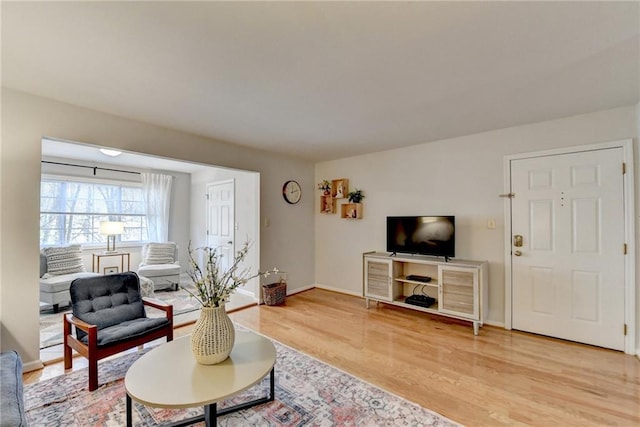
(110,153)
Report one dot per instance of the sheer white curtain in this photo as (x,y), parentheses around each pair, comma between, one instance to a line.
(156,189)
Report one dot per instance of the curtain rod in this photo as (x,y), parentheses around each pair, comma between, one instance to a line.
(95,168)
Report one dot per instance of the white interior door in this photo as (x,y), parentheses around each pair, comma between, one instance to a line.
(221,219)
(568,277)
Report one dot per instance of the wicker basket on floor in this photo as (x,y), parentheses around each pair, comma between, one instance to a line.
(275,293)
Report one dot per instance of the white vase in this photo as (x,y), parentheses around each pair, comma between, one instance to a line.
(213,336)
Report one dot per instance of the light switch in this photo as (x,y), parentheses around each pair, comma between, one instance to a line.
(267,223)
(491,224)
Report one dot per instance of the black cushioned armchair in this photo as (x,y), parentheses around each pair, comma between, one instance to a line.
(109,317)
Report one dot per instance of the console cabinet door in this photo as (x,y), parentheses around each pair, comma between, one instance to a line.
(377,279)
(458,291)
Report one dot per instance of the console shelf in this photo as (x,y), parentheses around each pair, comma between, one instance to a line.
(459,287)
(433,309)
(404,279)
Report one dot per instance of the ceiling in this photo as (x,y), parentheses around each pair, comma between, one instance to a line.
(327,80)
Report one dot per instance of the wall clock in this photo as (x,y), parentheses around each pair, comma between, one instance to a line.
(291,192)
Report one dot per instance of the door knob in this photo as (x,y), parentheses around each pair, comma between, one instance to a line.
(517,253)
(230,242)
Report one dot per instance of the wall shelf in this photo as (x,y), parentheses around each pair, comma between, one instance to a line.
(327,204)
(351,211)
(340,188)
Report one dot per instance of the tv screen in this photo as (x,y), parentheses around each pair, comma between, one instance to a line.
(424,235)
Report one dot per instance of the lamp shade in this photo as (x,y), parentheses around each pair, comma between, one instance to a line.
(111,228)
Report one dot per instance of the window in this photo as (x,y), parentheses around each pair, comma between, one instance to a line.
(71,211)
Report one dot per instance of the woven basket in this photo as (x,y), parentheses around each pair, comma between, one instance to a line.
(275,293)
(213,336)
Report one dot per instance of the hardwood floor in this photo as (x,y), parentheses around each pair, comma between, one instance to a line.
(497,378)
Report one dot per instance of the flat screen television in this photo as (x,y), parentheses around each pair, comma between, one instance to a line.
(423,235)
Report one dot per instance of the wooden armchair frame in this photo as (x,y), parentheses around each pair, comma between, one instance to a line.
(93,353)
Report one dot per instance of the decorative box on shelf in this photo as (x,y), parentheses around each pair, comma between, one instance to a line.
(351,211)
(340,188)
(327,204)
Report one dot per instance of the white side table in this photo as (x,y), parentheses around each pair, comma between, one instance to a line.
(95,263)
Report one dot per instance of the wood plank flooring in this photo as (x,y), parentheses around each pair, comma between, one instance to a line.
(496,378)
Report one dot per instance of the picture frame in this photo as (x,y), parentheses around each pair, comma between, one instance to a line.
(111,270)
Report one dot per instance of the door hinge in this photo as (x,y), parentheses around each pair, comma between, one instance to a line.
(207,196)
(624,249)
(508,195)
(625,329)
(624,168)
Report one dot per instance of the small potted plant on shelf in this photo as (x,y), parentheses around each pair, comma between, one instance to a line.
(355,196)
(325,186)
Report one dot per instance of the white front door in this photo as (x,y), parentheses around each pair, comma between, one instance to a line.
(221,219)
(568,277)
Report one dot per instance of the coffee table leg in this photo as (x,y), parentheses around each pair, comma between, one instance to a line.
(272,387)
(211,415)
(129,417)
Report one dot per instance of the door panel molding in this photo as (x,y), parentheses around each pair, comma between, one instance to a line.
(629,227)
(221,218)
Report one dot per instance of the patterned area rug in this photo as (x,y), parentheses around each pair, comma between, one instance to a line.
(51,323)
(307,393)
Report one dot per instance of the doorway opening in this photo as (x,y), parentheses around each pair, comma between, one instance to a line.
(187,223)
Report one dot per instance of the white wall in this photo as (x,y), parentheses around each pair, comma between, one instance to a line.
(26,119)
(462,177)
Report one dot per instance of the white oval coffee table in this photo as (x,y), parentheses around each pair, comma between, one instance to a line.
(170,377)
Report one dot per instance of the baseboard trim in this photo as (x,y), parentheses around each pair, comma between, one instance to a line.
(250,294)
(494,323)
(326,288)
(298,290)
(340,291)
(32,366)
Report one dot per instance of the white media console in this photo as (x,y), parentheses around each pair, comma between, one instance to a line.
(460,288)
